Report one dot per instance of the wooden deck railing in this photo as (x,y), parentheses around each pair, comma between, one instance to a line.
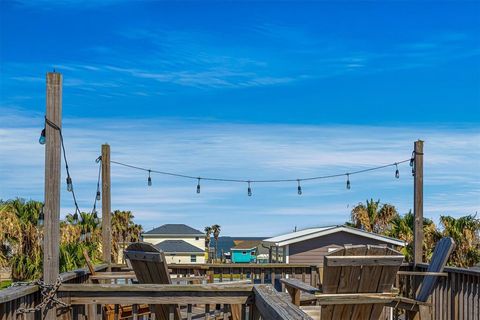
(456,296)
(88,301)
(29,296)
(259,273)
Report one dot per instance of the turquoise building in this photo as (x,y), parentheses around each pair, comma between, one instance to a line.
(244,252)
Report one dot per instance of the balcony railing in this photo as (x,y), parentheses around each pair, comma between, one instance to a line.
(456,296)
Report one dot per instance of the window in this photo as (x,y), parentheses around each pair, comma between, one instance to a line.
(252,253)
(193,258)
(244,252)
(196,238)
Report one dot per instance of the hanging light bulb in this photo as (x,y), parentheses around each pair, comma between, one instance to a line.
(348,181)
(42,138)
(75,218)
(412,163)
(82,235)
(198,186)
(69,184)
(397,173)
(299,188)
(98,195)
(41,218)
(249,190)
(149,179)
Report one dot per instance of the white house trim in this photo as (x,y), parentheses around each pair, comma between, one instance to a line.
(294,237)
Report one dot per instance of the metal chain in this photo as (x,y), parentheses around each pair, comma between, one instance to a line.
(49,295)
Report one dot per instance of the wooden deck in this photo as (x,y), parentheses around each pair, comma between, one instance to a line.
(456,297)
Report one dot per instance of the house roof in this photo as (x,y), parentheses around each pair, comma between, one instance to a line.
(177,246)
(311,233)
(174,229)
(246,244)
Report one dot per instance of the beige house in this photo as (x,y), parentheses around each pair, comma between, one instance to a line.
(179,242)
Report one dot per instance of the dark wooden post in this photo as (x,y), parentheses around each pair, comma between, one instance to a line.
(418,202)
(106,206)
(51,209)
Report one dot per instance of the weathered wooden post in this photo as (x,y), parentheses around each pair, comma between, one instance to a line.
(106,206)
(418,202)
(51,209)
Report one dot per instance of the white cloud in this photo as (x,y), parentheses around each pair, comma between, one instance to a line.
(245,151)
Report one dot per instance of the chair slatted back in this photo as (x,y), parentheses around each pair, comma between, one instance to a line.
(440,256)
(359,269)
(150,266)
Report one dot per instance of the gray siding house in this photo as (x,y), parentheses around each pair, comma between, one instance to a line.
(309,246)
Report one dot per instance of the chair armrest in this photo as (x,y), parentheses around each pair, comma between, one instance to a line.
(407,304)
(421,273)
(354,298)
(112,276)
(300,285)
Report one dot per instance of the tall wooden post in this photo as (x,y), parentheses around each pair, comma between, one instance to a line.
(106,205)
(418,202)
(51,209)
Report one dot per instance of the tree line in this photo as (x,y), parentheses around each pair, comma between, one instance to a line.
(21,238)
(373,216)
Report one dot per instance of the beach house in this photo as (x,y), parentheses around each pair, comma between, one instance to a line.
(309,246)
(179,242)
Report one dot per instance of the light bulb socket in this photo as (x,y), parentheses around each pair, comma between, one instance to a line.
(41,219)
(198,186)
(69,184)
(98,196)
(42,138)
(348,182)
(397,174)
(149,180)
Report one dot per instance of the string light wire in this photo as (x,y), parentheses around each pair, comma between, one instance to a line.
(178,175)
(67,169)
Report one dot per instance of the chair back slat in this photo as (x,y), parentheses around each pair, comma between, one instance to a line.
(359,269)
(150,266)
(440,256)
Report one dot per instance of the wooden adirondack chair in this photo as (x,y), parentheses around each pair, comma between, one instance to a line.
(420,307)
(357,283)
(123,311)
(150,266)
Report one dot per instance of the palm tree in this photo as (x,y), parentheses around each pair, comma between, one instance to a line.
(465,232)
(216,233)
(208,238)
(124,230)
(20,238)
(402,227)
(372,217)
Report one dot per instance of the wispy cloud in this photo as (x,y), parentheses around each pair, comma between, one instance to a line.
(249,152)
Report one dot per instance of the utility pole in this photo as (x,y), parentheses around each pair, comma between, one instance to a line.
(418,202)
(51,209)
(106,206)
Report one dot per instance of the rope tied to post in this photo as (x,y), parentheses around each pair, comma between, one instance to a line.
(49,295)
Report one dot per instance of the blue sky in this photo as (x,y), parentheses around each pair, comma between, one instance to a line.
(254,91)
